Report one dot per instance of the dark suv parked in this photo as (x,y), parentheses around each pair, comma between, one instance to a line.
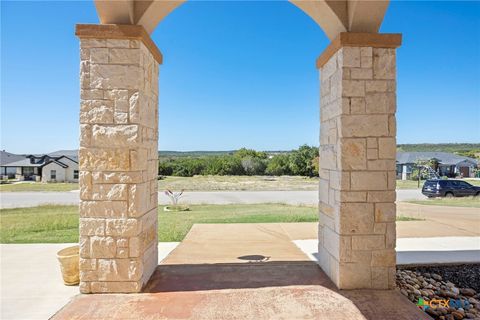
(449,188)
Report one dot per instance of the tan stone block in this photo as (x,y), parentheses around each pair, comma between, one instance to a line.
(119,269)
(85,135)
(356,218)
(368,242)
(361,73)
(387,148)
(350,57)
(383,258)
(96,111)
(392,126)
(329,68)
(84,246)
(104,159)
(84,54)
(107,209)
(116,287)
(353,154)
(368,181)
(384,63)
(353,88)
(117,95)
(118,177)
(87,264)
(372,154)
(92,43)
(88,275)
(380,103)
(137,199)
(122,253)
(381,164)
(85,185)
(123,227)
(357,105)
(376,86)
(354,276)
(385,212)
(138,159)
(372,143)
(118,43)
(124,56)
(380,228)
(352,196)
(109,192)
(366,62)
(114,76)
(135,43)
(91,94)
(92,227)
(323,190)
(122,243)
(84,79)
(381,196)
(102,247)
(363,126)
(391,236)
(380,278)
(99,55)
(84,287)
(122,106)
(339,180)
(363,257)
(116,136)
(120,117)
(392,180)
(366,51)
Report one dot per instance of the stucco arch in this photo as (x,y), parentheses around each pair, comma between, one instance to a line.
(333,17)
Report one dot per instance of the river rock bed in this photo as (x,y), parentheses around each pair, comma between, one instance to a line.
(443,292)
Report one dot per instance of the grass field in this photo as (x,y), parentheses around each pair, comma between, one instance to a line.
(469,202)
(231,183)
(37,186)
(56,224)
(59,224)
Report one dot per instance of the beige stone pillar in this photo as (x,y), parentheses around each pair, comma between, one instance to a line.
(357,160)
(118,157)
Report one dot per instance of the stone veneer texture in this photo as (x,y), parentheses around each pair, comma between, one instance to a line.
(118,165)
(357,168)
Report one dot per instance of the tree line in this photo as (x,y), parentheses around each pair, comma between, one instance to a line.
(303,161)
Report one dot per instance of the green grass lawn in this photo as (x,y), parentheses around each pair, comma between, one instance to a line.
(469,202)
(56,224)
(38,186)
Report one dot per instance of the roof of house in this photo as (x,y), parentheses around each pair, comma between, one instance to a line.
(443,157)
(71,154)
(7,157)
(40,160)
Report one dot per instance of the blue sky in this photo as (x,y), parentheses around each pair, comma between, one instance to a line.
(238,74)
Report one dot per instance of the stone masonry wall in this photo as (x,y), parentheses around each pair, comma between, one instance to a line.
(357,168)
(118,165)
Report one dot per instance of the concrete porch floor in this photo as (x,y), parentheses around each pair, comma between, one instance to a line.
(242,271)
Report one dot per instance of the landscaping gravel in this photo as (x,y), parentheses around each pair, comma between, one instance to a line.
(444,292)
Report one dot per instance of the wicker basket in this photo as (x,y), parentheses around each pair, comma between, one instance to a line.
(68,259)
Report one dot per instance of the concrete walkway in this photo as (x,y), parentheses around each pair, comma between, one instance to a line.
(242,271)
(31,282)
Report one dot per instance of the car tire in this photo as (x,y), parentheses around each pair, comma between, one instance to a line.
(477,194)
(449,195)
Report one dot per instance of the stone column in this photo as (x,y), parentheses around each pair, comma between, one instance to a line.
(118,157)
(357,160)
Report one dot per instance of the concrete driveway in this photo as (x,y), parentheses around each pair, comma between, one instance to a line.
(31,199)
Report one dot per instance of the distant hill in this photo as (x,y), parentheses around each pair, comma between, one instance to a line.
(439,147)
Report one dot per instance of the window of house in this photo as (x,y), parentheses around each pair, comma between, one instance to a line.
(53,174)
(75,174)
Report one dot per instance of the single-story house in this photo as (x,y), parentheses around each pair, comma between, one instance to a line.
(6,158)
(449,164)
(52,167)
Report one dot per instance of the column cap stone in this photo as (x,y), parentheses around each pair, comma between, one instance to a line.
(353,39)
(119,31)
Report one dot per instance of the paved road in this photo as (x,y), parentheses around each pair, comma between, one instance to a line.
(31,199)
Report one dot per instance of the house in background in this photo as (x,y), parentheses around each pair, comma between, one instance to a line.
(5,159)
(450,165)
(53,167)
